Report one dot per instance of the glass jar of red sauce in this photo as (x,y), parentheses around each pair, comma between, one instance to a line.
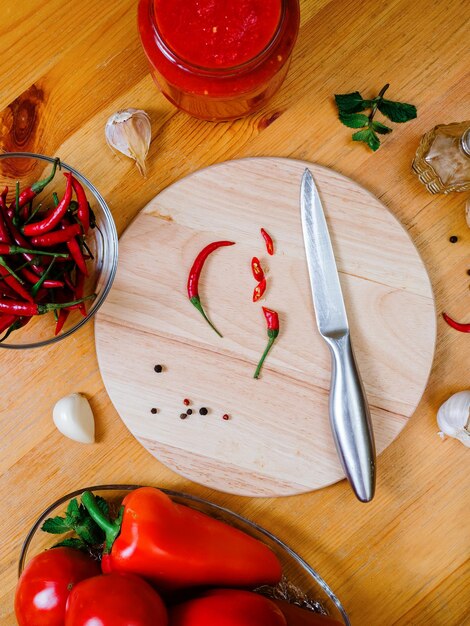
(219,59)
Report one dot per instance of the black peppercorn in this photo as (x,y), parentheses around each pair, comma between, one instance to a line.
(453,239)
(189,411)
(154,410)
(158,368)
(203,411)
(183,416)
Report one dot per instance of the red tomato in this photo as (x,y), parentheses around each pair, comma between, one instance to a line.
(227,607)
(115,600)
(45,584)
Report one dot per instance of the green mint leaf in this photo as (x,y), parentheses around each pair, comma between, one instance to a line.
(73,514)
(397,111)
(380,128)
(369,137)
(71,542)
(350,102)
(55,526)
(354,120)
(89,531)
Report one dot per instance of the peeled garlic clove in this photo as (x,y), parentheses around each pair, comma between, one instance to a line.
(129,132)
(453,417)
(73,417)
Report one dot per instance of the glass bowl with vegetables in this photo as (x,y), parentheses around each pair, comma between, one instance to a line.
(188,548)
(58,250)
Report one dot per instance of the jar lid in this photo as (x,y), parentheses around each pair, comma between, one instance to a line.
(465,142)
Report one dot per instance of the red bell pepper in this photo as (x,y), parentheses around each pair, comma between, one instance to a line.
(227,607)
(115,600)
(176,547)
(296,616)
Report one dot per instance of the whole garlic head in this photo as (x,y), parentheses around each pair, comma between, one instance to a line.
(130,132)
(453,417)
(73,417)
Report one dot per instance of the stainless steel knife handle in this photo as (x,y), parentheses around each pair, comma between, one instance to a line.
(350,419)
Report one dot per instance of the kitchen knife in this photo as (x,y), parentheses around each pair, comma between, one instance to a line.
(348,407)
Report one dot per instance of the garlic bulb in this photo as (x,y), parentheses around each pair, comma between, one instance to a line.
(73,417)
(130,132)
(453,417)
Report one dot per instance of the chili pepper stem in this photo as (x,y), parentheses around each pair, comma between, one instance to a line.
(271,340)
(197,303)
(10,271)
(40,184)
(110,528)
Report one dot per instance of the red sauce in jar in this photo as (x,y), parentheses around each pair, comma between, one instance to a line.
(218,59)
(217,33)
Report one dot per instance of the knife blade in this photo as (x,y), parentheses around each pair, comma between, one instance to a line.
(348,407)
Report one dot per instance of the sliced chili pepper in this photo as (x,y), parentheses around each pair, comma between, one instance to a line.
(259,290)
(463,328)
(195,273)
(54,216)
(12,307)
(31,192)
(257,270)
(268,241)
(18,322)
(272,322)
(63,315)
(54,237)
(83,213)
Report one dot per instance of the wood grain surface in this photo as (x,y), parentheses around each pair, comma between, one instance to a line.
(65,67)
(277,440)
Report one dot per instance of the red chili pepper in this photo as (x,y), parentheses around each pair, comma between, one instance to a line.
(259,290)
(48,283)
(195,273)
(6,321)
(83,213)
(257,270)
(54,216)
(75,250)
(78,293)
(63,315)
(177,547)
(31,192)
(15,284)
(227,607)
(19,239)
(272,322)
(269,242)
(4,234)
(15,307)
(463,328)
(54,237)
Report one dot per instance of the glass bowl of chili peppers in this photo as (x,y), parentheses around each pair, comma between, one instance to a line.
(58,250)
(300,586)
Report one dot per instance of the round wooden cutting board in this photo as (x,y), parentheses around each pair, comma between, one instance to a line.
(277,440)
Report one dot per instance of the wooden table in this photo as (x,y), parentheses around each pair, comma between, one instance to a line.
(64,68)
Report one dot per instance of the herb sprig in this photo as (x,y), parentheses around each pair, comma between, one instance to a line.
(349,107)
(77,520)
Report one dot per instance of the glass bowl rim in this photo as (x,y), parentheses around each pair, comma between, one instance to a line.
(112,240)
(192,498)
